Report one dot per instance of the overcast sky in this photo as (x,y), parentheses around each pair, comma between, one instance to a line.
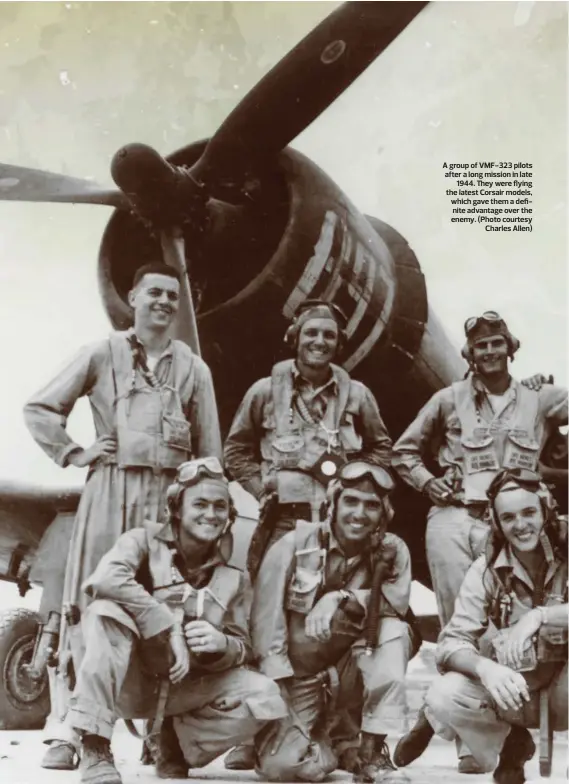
(466,81)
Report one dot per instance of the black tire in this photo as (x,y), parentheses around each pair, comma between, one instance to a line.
(24,704)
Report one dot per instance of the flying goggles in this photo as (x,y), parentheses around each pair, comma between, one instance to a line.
(352,473)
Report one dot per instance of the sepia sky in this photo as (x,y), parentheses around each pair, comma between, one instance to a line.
(466,81)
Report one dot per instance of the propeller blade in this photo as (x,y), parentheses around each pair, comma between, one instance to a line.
(173,249)
(301,86)
(21,184)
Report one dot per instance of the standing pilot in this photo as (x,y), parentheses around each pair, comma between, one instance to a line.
(153,408)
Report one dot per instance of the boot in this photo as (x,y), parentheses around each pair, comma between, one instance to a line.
(60,755)
(97,765)
(468,764)
(241,758)
(414,743)
(168,755)
(518,748)
(374,764)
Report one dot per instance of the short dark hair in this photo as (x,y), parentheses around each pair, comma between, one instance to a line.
(155,268)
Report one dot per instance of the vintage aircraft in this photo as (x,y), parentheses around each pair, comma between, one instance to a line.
(256,228)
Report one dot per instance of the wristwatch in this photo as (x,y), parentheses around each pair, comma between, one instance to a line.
(345,596)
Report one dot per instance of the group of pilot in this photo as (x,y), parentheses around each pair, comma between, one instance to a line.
(298,662)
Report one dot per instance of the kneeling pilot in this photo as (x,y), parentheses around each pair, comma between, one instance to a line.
(330,625)
(166,636)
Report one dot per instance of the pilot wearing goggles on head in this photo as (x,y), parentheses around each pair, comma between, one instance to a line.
(166,638)
(295,429)
(330,624)
(478,426)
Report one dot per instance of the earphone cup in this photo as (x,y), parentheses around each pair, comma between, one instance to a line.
(466,353)
(290,336)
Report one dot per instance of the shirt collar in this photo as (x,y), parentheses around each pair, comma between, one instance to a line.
(334,545)
(299,379)
(130,334)
(507,560)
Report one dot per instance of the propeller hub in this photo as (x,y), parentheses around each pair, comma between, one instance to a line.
(161,193)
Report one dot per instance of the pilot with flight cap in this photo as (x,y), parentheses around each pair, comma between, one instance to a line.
(153,407)
(294,429)
(473,429)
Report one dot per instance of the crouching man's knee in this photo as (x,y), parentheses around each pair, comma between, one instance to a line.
(285,753)
(443,697)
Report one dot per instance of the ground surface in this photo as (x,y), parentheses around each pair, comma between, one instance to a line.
(20,754)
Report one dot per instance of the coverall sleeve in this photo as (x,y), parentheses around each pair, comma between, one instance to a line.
(376,443)
(553,403)
(203,415)
(236,629)
(115,579)
(46,413)
(269,629)
(409,450)
(470,618)
(242,453)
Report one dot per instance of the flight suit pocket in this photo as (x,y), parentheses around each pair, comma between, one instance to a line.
(520,452)
(287,450)
(176,432)
(302,591)
(479,455)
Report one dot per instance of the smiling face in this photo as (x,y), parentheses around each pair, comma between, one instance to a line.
(155,301)
(520,517)
(205,510)
(317,342)
(490,355)
(358,514)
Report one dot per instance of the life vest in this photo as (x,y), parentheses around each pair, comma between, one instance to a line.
(294,448)
(507,442)
(209,602)
(309,570)
(152,430)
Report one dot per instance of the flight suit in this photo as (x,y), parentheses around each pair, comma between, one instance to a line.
(335,678)
(471,443)
(457,705)
(286,437)
(139,594)
(157,429)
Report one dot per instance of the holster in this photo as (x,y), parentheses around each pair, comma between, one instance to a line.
(262,534)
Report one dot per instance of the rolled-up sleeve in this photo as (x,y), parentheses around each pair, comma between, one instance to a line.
(242,453)
(203,416)
(470,618)
(417,441)
(269,630)
(376,443)
(553,403)
(46,413)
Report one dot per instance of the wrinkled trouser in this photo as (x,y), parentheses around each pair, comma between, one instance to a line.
(454,541)
(212,711)
(463,706)
(370,687)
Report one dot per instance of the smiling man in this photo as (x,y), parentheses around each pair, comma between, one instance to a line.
(294,429)
(166,637)
(330,624)
(519,585)
(472,429)
(153,407)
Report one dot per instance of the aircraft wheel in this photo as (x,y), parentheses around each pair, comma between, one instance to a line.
(24,703)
